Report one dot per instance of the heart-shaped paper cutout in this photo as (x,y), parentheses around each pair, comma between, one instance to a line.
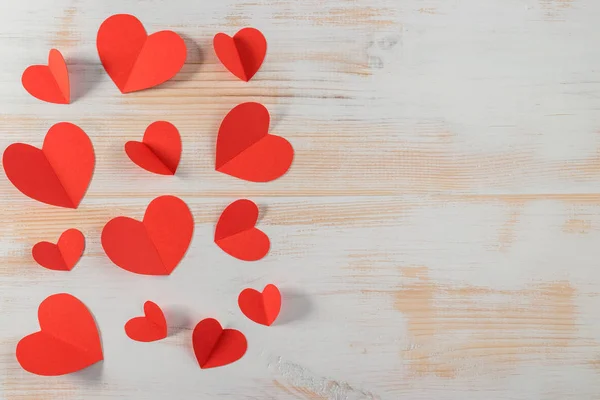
(154,246)
(149,328)
(160,149)
(242,54)
(49,82)
(246,150)
(215,346)
(63,255)
(135,60)
(236,235)
(262,308)
(68,339)
(59,173)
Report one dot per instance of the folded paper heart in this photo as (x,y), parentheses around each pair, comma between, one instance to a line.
(159,151)
(236,235)
(262,308)
(215,346)
(59,173)
(246,150)
(242,54)
(63,255)
(135,60)
(68,339)
(49,82)
(149,328)
(155,245)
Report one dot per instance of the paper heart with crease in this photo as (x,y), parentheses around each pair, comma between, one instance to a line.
(149,328)
(160,149)
(59,173)
(155,245)
(135,60)
(68,339)
(49,82)
(262,308)
(215,346)
(246,150)
(63,255)
(236,233)
(242,54)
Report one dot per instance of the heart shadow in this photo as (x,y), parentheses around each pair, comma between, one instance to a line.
(84,76)
(178,319)
(295,306)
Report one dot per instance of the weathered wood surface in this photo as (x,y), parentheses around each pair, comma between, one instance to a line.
(437,236)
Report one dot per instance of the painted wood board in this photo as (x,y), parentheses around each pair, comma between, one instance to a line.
(436,236)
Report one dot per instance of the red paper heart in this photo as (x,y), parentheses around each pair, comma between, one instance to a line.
(262,308)
(59,173)
(154,246)
(134,60)
(49,82)
(236,235)
(149,328)
(246,150)
(242,54)
(159,151)
(61,256)
(215,346)
(68,339)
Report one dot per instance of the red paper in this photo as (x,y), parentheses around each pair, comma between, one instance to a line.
(236,235)
(159,151)
(59,173)
(154,246)
(246,150)
(242,54)
(215,346)
(149,328)
(61,256)
(262,308)
(49,82)
(68,339)
(134,60)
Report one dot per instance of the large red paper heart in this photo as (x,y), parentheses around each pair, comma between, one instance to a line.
(59,173)
(134,60)
(236,235)
(160,149)
(68,339)
(246,150)
(242,54)
(149,328)
(49,82)
(154,246)
(61,256)
(262,308)
(215,346)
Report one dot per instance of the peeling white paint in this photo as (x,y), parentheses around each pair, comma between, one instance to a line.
(297,376)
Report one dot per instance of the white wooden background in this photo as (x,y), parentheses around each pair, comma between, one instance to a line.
(437,236)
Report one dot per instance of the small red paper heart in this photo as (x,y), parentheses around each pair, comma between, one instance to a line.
(68,339)
(242,54)
(59,173)
(215,346)
(154,246)
(160,149)
(49,82)
(262,308)
(61,256)
(246,150)
(236,235)
(149,328)
(135,60)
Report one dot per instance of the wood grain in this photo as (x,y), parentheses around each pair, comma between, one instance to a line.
(436,236)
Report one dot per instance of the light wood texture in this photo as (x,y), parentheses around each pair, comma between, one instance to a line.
(437,236)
